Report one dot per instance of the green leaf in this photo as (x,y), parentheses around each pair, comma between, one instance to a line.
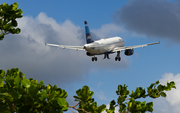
(14,23)
(65,109)
(121,99)
(26,83)
(1,82)
(17,81)
(41,83)
(172,83)
(2,73)
(161,88)
(2,36)
(18,31)
(149,106)
(15,5)
(157,82)
(52,95)
(163,94)
(112,103)
(62,101)
(101,108)
(122,107)
(48,87)
(85,94)
(43,95)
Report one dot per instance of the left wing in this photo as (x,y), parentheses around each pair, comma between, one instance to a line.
(68,47)
(132,47)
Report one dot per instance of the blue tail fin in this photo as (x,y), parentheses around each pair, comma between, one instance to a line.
(88,34)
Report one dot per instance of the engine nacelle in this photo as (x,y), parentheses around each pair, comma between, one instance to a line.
(129,52)
(89,54)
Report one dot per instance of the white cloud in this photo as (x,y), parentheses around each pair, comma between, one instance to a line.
(108,30)
(28,52)
(172,102)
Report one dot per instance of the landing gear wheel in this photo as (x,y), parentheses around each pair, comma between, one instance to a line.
(117,58)
(95,58)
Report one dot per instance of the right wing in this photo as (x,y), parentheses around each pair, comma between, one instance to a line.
(132,47)
(66,46)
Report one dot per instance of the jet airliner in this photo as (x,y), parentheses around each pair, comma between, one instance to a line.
(103,46)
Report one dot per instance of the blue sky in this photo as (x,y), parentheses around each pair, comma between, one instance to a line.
(62,22)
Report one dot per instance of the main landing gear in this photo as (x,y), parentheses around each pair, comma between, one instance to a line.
(106,56)
(118,58)
(94,58)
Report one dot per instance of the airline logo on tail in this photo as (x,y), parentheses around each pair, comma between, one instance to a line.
(88,34)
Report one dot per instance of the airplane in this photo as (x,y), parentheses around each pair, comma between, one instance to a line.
(103,46)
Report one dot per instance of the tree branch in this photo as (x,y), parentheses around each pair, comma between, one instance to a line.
(72,110)
(11,107)
(74,107)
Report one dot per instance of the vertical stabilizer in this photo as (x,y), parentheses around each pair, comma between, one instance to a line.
(88,34)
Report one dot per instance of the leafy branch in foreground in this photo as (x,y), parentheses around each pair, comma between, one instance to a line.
(8,16)
(21,95)
(127,101)
(18,94)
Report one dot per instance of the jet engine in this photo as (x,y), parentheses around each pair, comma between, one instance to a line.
(129,52)
(89,54)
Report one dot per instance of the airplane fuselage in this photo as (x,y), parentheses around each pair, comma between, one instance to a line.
(104,45)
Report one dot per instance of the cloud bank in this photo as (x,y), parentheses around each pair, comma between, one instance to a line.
(27,51)
(153,18)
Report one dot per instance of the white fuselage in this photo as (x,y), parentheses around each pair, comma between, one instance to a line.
(104,45)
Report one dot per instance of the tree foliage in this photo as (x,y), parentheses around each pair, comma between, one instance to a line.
(21,95)
(18,94)
(8,16)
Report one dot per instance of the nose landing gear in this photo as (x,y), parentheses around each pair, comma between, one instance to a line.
(106,56)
